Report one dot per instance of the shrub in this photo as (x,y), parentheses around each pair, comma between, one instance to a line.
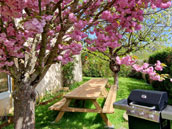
(135,74)
(125,71)
(67,74)
(165,56)
(93,66)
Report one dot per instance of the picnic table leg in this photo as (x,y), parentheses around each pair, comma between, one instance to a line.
(59,116)
(103,115)
(61,113)
(106,120)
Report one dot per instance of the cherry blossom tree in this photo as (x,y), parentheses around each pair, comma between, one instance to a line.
(129,38)
(34,34)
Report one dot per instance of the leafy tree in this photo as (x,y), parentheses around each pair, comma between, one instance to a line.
(34,34)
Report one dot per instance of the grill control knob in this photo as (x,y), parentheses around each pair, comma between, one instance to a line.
(141,113)
(151,116)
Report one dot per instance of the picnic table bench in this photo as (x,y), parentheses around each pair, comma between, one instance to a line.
(91,90)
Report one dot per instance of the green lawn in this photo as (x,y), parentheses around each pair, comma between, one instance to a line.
(45,117)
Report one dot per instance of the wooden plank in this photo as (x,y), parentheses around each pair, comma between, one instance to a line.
(73,109)
(61,113)
(89,90)
(108,106)
(57,106)
(104,93)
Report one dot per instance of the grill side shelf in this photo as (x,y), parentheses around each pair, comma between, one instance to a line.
(167,113)
(147,114)
(122,104)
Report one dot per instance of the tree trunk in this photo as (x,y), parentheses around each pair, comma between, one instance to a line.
(24,108)
(115,68)
(115,77)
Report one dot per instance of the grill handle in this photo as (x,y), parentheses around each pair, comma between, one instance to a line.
(140,106)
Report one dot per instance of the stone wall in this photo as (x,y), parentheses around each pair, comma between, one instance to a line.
(53,79)
(51,82)
(78,69)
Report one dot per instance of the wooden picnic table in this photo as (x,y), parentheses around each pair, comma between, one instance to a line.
(91,90)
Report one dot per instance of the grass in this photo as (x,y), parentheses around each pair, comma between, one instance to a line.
(45,117)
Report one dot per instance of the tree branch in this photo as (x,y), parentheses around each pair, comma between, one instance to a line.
(27,11)
(56,6)
(154,12)
(39,4)
(43,47)
(101,57)
(108,5)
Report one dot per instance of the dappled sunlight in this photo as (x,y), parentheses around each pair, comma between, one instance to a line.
(89,90)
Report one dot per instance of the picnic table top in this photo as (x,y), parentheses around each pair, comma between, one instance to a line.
(89,90)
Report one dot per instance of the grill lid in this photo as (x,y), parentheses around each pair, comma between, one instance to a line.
(149,98)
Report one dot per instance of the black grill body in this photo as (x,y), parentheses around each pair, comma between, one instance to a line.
(153,101)
(137,123)
(149,98)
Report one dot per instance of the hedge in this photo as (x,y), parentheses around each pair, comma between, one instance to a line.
(165,56)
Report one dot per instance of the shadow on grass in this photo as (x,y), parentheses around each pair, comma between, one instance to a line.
(45,118)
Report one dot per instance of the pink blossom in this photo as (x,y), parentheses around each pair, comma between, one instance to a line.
(145,65)
(106,15)
(35,21)
(8,43)
(170,79)
(156,77)
(153,6)
(150,70)
(60,46)
(49,17)
(127,60)
(158,66)
(91,48)
(137,67)
(72,17)
(34,25)
(58,28)
(165,5)
(60,58)
(118,60)
(9,63)
(123,3)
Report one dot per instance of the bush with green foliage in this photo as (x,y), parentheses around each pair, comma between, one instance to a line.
(135,74)
(124,71)
(96,67)
(165,56)
(93,66)
(67,74)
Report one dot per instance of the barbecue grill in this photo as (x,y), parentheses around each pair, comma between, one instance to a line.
(147,109)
